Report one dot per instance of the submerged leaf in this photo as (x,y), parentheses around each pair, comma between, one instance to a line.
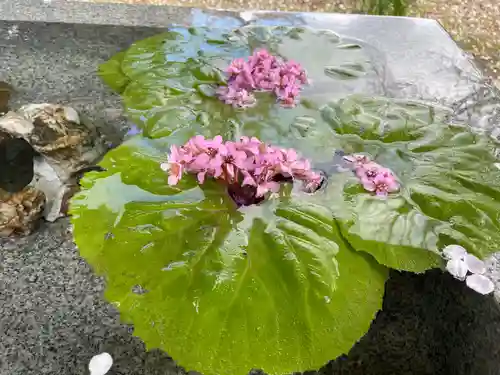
(112,74)
(272,286)
(449,183)
(171,75)
(349,46)
(345,71)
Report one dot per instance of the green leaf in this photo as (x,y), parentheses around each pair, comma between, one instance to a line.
(450,183)
(345,71)
(111,73)
(273,286)
(223,290)
(174,76)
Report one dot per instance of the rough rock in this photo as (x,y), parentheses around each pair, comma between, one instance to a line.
(5,91)
(57,192)
(53,143)
(20,212)
(58,134)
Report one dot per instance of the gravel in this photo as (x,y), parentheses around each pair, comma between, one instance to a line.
(53,315)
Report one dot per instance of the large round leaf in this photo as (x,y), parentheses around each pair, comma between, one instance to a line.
(223,290)
(450,183)
(112,74)
(174,76)
(171,93)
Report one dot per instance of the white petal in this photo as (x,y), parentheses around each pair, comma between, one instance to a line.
(457,267)
(454,252)
(100,364)
(165,166)
(480,284)
(474,264)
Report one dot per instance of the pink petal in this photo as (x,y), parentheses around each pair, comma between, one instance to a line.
(248,180)
(273,186)
(480,284)
(201,177)
(454,252)
(230,170)
(261,190)
(392,186)
(173,180)
(174,156)
(217,171)
(165,167)
(201,162)
(474,264)
(378,180)
(223,150)
(368,184)
(217,141)
(215,162)
(360,172)
(457,268)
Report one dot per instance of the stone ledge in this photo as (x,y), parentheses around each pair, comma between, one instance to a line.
(54,318)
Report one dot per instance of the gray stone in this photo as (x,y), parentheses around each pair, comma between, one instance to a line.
(53,317)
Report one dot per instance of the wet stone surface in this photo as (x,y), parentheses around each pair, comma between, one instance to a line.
(54,320)
(53,317)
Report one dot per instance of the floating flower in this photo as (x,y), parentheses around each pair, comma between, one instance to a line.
(100,364)
(236,97)
(382,183)
(373,176)
(262,72)
(465,266)
(249,168)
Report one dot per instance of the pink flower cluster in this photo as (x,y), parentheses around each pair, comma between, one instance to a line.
(373,176)
(249,168)
(262,72)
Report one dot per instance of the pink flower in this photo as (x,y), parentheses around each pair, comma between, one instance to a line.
(248,179)
(265,72)
(175,175)
(236,97)
(368,170)
(251,145)
(233,160)
(313,182)
(381,185)
(373,176)
(237,66)
(249,168)
(178,156)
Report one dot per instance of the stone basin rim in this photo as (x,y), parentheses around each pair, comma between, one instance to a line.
(146,15)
